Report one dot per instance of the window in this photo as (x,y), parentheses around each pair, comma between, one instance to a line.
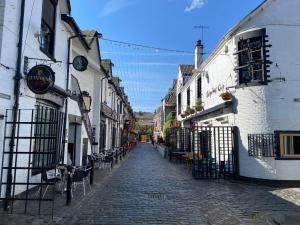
(102,135)
(289,144)
(199,90)
(121,108)
(188,97)
(46,130)
(252,61)
(48,27)
(179,103)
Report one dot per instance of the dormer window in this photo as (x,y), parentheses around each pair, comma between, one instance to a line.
(47,35)
(252,58)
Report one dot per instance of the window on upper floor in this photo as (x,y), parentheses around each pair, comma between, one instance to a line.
(48,27)
(199,90)
(179,103)
(252,58)
(188,97)
(121,108)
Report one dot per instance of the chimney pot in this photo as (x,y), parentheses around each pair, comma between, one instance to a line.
(198,54)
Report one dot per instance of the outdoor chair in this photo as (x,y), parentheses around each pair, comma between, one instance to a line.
(107,161)
(49,177)
(80,176)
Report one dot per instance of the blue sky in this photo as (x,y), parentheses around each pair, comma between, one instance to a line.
(147,74)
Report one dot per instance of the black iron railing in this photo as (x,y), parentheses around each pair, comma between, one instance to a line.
(214,152)
(38,149)
(179,139)
(109,112)
(261,145)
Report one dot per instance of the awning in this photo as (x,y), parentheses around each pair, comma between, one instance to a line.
(228,106)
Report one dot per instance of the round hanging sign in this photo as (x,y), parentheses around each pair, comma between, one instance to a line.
(80,63)
(40,79)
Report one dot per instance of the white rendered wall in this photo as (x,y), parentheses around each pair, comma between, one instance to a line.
(260,109)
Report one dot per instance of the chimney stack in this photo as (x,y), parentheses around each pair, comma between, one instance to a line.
(198,54)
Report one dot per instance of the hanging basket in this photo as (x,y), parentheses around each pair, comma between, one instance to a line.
(226,96)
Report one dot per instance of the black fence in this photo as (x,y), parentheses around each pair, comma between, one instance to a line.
(25,182)
(214,152)
(262,145)
(179,139)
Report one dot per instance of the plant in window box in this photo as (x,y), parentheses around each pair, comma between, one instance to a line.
(192,111)
(183,115)
(189,111)
(226,96)
(199,107)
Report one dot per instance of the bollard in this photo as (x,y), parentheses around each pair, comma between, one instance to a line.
(92,172)
(69,186)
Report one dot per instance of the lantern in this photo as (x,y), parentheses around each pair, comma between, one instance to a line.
(87,101)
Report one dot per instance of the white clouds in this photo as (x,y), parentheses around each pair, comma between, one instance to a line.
(113,6)
(195,4)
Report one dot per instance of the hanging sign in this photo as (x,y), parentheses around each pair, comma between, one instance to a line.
(80,63)
(40,79)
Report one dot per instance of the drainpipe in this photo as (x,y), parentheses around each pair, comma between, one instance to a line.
(69,197)
(18,77)
(101,99)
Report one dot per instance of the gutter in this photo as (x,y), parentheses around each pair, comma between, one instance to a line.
(18,78)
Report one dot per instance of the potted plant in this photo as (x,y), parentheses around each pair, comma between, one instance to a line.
(198,107)
(226,96)
(192,111)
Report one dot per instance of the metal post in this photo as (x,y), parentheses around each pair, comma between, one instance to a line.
(92,172)
(69,186)
(235,154)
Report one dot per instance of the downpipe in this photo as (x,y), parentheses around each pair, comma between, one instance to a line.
(17,78)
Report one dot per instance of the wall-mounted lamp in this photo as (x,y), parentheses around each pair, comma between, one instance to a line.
(87,101)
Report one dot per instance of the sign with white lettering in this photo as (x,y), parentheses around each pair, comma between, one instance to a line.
(214,90)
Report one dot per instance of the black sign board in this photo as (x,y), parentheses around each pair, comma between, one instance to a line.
(40,79)
(80,63)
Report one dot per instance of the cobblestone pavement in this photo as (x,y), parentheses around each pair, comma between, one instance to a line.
(147,189)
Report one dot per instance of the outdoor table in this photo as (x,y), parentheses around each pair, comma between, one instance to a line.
(178,155)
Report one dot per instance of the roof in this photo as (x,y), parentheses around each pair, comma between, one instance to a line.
(106,64)
(72,23)
(69,6)
(90,35)
(186,69)
(170,98)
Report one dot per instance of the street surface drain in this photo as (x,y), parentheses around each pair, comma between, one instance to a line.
(156,195)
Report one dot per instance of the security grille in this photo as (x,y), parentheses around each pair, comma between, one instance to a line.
(261,145)
(24,183)
(214,152)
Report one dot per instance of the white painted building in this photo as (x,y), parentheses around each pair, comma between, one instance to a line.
(44,42)
(37,138)
(257,63)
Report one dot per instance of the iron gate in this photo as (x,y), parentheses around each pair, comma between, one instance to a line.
(214,152)
(179,139)
(25,170)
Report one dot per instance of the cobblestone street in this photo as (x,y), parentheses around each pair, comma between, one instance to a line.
(147,189)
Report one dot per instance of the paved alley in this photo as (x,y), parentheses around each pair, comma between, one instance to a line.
(147,189)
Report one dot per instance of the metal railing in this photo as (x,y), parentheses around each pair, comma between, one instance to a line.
(261,145)
(109,112)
